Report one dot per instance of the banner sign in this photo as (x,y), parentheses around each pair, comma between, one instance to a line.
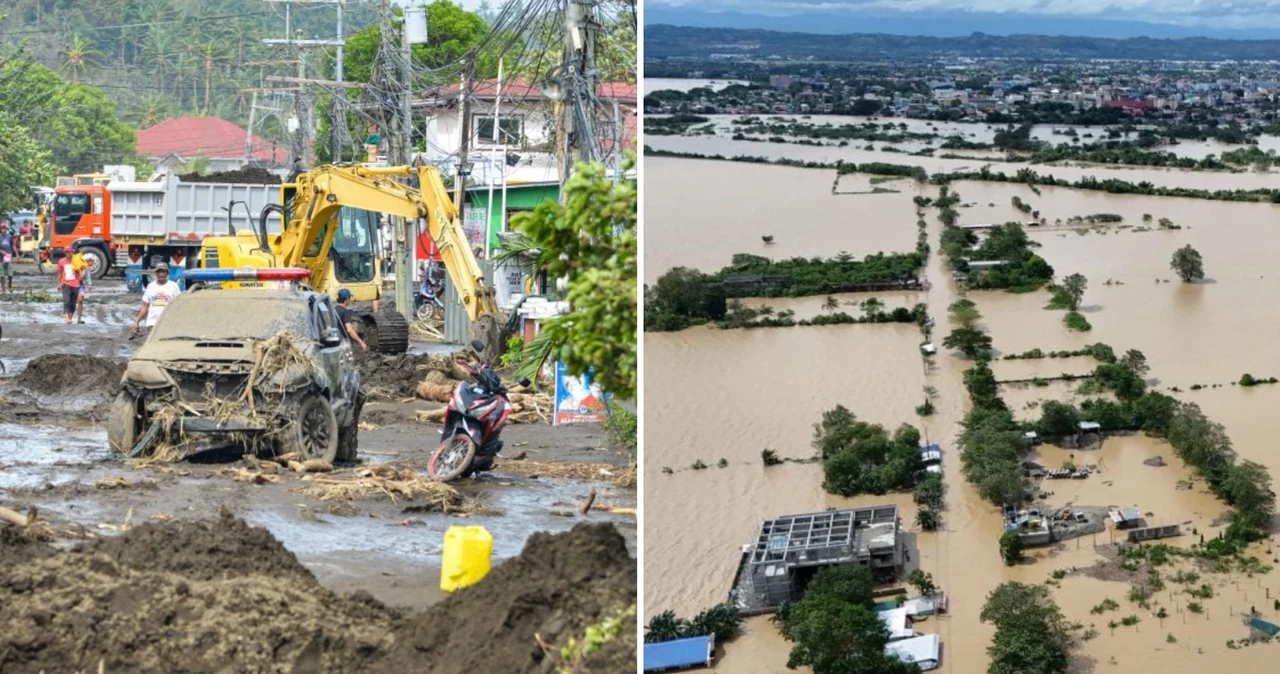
(476,223)
(578,400)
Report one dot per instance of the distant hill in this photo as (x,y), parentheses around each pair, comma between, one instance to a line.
(666,41)
(935,23)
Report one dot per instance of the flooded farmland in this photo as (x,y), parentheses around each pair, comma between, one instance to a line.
(730,394)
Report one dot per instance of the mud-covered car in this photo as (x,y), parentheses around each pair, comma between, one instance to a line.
(271,368)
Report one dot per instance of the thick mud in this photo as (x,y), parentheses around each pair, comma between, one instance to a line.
(249,176)
(558,586)
(72,374)
(223,596)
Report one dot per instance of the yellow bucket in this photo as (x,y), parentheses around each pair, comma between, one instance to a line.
(467,555)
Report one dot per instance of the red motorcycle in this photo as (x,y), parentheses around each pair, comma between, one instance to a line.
(473,424)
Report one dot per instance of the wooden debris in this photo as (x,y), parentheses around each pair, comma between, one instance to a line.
(432,416)
(601,472)
(244,475)
(13,517)
(412,521)
(117,482)
(284,459)
(440,393)
(591,498)
(394,483)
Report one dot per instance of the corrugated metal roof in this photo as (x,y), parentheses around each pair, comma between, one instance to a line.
(1270,629)
(923,650)
(678,654)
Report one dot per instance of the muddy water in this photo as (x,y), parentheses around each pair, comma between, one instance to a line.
(1054,134)
(711,145)
(753,389)
(652,84)
(711,210)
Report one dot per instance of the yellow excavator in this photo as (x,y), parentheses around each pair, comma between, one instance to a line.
(329,225)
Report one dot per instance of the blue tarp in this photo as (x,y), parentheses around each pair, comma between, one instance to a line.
(677,654)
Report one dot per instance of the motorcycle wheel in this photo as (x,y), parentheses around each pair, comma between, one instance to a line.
(452,458)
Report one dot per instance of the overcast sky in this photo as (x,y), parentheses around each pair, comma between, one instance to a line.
(1209,14)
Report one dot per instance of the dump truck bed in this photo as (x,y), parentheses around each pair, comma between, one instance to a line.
(170,211)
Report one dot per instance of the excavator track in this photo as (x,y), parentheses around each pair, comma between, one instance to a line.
(390,332)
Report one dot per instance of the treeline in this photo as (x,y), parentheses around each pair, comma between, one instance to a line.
(685,297)
(738,315)
(724,621)
(1025,176)
(672,125)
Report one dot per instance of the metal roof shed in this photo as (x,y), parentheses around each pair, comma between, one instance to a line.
(665,656)
(898,623)
(925,651)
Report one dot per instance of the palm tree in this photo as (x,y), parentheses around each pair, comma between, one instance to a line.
(831,304)
(78,56)
(211,56)
(160,53)
(152,109)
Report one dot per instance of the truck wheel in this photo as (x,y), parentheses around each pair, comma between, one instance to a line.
(349,435)
(123,423)
(96,258)
(312,431)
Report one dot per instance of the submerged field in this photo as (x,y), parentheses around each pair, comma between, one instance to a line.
(731,393)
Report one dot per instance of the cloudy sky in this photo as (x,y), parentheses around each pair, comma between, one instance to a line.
(1206,15)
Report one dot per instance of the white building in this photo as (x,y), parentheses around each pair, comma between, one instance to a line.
(523,118)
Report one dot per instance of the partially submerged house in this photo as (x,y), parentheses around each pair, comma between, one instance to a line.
(1126,518)
(790,550)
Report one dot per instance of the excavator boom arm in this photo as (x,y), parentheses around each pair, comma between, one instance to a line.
(322,192)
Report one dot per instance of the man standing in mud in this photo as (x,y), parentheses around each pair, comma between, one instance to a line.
(156,297)
(69,284)
(344,317)
(8,249)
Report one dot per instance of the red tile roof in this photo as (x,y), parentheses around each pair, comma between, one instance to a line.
(211,137)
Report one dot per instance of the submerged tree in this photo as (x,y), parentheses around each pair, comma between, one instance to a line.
(1074,286)
(1188,264)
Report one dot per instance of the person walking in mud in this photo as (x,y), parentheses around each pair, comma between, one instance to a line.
(81,266)
(69,284)
(8,249)
(345,318)
(156,297)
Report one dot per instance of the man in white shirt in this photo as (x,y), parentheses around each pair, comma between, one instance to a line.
(156,297)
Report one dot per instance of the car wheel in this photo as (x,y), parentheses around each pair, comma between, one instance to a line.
(123,423)
(312,431)
(349,435)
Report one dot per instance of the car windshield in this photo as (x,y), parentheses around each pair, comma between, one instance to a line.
(223,315)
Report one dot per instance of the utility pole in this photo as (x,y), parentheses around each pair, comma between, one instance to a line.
(464,149)
(302,139)
(577,117)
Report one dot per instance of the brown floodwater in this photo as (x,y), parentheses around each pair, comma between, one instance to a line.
(729,394)
(721,145)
